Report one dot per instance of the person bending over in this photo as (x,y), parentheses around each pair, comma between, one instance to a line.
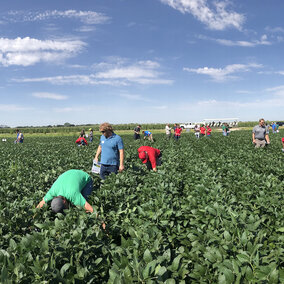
(73,186)
(150,156)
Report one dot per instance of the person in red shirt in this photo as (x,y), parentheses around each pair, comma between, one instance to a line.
(202,130)
(178,131)
(282,140)
(150,156)
(208,131)
(81,141)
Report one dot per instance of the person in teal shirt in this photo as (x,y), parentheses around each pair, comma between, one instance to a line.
(73,186)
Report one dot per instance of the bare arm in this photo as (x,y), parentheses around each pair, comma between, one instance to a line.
(41,204)
(267,139)
(99,150)
(253,138)
(121,160)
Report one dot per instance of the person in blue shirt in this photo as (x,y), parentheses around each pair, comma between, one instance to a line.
(112,151)
(148,134)
(273,127)
(20,137)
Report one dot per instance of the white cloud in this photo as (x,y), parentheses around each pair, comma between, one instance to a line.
(29,51)
(163,107)
(12,107)
(242,43)
(274,30)
(86,29)
(134,97)
(70,109)
(221,75)
(244,92)
(87,17)
(119,73)
(277,91)
(216,17)
(51,96)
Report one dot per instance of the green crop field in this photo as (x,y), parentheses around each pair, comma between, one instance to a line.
(213,213)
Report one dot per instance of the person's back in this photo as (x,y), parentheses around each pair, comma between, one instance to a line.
(150,156)
(69,185)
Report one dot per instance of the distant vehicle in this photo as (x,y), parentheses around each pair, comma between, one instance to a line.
(280,123)
(212,122)
(188,125)
(218,122)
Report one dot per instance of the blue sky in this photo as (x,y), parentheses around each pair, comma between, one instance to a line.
(127,61)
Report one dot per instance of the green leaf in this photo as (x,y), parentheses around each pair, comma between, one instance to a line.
(160,270)
(280,230)
(64,268)
(147,256)
(243,258)
(227,236)
(274,276)
(170,281)
(175,263)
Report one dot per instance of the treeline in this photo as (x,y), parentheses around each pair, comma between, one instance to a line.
(95,127)
(78,128)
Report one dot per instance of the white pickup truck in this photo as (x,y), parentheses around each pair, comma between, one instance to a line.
(189,125)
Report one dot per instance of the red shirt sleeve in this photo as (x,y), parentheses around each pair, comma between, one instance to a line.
(78,140)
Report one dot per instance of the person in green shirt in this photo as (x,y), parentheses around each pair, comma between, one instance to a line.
(73,186)
(225,129)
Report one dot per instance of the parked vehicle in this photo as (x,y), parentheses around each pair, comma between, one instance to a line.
(280,123)
(189,125)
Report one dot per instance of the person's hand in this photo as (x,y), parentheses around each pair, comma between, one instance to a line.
(253,141)
(121,168)
(154,169)
(103,225)
(96,160)
(41,204)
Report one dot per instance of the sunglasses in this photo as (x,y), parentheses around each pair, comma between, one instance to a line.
(103,131)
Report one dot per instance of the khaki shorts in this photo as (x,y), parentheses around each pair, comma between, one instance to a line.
(260,143)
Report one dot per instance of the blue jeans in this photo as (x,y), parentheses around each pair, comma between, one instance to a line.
(107,170)
(87,190)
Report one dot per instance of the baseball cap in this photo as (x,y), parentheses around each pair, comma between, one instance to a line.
(57,204)
(142,156)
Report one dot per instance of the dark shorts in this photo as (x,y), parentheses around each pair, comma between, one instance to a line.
(136,136)
(87,190)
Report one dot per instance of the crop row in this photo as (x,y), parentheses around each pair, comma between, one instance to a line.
(212,213)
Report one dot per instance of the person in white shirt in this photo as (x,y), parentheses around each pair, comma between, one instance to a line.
(168,131)
(197,130)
